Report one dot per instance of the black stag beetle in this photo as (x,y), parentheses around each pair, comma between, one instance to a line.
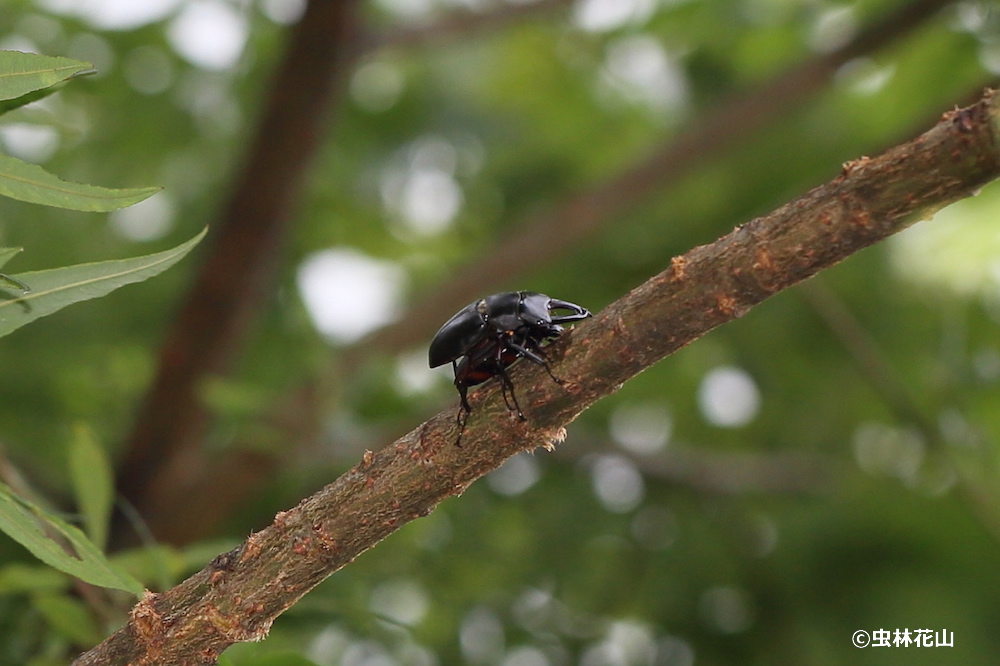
(485,337)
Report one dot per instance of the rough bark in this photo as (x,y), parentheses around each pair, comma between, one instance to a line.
(240,593)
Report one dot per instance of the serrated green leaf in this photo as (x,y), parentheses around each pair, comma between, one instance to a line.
(93,483)
(30,526)
(23,73)
(33,184)
(54,289)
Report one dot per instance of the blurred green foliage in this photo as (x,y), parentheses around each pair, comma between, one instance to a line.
(754,499)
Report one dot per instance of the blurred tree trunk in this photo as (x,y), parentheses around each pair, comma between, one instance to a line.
(234,283)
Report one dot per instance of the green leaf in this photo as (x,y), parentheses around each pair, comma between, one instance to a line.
(54,289)
(33,184)
(93,483)
(30,526)
(6,254)
(13,282)
(8,105)
(24,73)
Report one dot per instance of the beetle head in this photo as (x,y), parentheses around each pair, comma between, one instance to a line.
(535,309)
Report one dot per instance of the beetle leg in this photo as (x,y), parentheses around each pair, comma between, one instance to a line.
(463,391)
(506,385)
(464,408)
(535,356)
(461,420)
(461,383)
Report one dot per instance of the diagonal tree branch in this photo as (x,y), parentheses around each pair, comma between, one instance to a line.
(200,494)
(237,597)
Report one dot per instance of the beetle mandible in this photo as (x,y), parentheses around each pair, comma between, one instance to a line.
(485,337)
